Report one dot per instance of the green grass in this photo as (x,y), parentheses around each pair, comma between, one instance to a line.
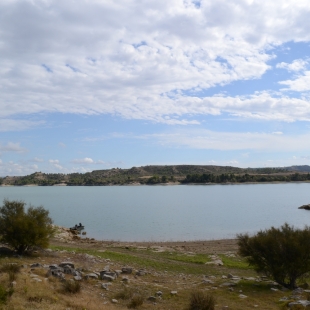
(235,262)
(158,261)
(194,259)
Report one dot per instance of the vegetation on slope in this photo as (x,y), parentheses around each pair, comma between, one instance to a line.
(151,175)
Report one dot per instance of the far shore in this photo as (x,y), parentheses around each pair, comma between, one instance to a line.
(158,184)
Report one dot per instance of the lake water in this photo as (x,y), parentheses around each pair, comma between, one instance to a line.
(170,213)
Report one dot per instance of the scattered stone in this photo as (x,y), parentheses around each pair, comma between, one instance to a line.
(125,280)
(105,286)
(228,284)
(296,304)
(63,264)
(36,265)
(159,293)
(127,270)
(242,296)
(152,299)
(174,293)
(91,276)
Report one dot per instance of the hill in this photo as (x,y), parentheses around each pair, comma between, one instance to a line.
(155,174)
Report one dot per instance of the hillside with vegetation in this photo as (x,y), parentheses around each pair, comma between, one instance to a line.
(170,174)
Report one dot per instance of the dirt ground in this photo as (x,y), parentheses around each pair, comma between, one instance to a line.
(196,247)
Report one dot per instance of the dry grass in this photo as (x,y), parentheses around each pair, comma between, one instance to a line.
(182,275)
(200,300)
(70,287)
(135,302)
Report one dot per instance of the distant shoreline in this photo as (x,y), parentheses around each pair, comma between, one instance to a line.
(157,184)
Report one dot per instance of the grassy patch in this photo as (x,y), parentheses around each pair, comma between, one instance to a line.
(191,265)
(180,257)
(235,262)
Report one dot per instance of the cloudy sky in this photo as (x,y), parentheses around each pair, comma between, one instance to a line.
(95,84)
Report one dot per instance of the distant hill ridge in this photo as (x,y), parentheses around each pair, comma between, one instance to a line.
(153,174)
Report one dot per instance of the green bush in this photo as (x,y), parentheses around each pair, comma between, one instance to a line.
(200,300)
(24,230)
(281,253)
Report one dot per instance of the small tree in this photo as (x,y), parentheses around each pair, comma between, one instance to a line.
(24,230)
(281,253)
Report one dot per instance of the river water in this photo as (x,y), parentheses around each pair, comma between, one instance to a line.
(170,213)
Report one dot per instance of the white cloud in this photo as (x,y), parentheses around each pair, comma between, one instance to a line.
(17,125)
(12,147)
(61,144)
(16,169)
(38,160)
(54,161)
(300,84)
(296,65)
(85,160)
(230,141)
(138,59)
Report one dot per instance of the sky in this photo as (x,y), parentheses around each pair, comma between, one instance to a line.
(98,84)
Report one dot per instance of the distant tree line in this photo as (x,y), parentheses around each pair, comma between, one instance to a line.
(232,178)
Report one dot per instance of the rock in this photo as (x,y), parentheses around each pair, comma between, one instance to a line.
(174,293)
(91,276)
(127,270)
(298,304)
(159,293)
(63,264)
(217,262)
(53,266)
(125,280)
(68,270)
(105,286)
(114,301)
(152,298)
(36,265)
(140,272)
(228,284)
(77,278)
(107,277)
(242,296)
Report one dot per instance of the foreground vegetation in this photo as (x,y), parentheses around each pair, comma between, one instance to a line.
(174,279)
(150,175)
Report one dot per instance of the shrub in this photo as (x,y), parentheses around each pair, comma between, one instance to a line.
(200,300)
(281,253)
(124,294)
(24,230)
(71,287)
(135,302)
(11,270)
(5,294)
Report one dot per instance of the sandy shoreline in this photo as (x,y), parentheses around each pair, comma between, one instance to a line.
(64,236)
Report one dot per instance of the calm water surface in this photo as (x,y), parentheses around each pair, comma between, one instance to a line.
(170,213)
